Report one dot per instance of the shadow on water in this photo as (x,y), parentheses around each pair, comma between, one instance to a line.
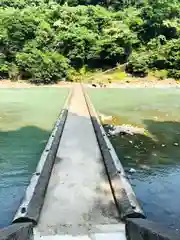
(20,151)
(156,158)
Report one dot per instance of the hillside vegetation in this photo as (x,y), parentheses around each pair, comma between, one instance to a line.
(47,41)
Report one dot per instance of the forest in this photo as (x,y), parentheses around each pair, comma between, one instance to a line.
(50,40)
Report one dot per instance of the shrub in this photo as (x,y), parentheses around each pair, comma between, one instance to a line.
(173,73)
(161,74)
(119,75)
(3,66)
(138,64)
(44,67)
(13,72)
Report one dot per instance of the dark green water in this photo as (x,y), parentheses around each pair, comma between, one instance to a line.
(154,155)
(27,117)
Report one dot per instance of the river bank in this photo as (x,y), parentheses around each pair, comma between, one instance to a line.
(26,84)
(131,83)
(140,83)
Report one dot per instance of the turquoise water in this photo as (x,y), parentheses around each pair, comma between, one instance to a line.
(27,117)
(154,154)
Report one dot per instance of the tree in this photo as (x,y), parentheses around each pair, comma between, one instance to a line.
(43,67)
(46,39)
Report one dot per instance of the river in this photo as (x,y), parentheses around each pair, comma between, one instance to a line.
(154,154)
(27,117)
(158,192)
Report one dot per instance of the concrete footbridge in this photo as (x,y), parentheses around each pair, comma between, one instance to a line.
(79,189)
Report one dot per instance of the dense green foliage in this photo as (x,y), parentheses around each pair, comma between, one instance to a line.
(47,41)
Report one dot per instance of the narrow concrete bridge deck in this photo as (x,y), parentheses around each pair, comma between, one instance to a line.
(79,203)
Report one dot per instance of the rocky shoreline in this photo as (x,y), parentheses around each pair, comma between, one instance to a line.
(139,84)
(122,84)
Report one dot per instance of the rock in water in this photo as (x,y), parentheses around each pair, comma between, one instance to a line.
(132,170)
(126,129)
(145,167)
(105,118)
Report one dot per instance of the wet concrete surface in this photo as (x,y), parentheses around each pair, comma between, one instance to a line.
(78,198)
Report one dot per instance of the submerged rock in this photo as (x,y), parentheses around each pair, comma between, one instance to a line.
(105,117)
(176,144)
(145,167)
(126,129)
(132,170)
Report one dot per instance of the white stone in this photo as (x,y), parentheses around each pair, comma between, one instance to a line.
(132,170)
(176,144)
(127,129)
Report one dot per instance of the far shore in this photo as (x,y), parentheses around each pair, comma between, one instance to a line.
(122,84)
